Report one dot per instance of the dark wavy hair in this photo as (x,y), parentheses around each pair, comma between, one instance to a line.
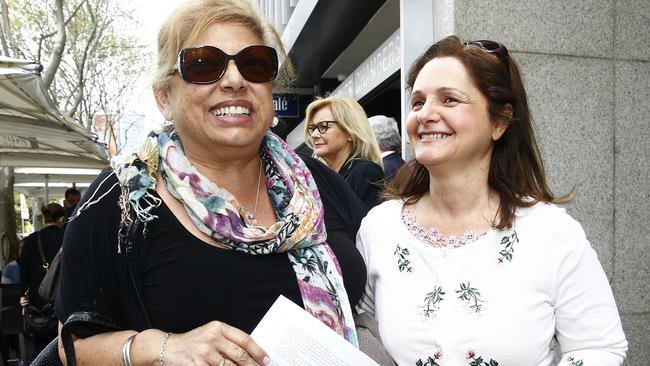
(52,212)
(516,168)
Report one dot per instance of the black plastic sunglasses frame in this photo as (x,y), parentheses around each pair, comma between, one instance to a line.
(498,49)
(271,53)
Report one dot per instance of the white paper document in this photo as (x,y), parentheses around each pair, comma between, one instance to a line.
(293,337)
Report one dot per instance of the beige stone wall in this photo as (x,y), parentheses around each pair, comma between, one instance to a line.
(586,66)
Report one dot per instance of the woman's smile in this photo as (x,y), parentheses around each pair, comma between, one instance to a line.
(433,136)
(231,111)
(237,112)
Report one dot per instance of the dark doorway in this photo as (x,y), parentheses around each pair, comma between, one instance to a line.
(384,99)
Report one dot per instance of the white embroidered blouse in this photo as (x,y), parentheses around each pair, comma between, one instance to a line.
(498,301)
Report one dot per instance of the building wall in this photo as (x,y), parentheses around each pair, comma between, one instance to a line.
(586,68)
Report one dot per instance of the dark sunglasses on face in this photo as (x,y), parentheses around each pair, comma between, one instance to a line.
(499,50)
(208,64)
(321,126)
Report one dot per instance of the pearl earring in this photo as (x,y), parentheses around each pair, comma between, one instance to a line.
(275,121)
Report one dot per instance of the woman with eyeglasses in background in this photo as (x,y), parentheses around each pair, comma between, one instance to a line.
(186,245)
(471,262)
(338,131)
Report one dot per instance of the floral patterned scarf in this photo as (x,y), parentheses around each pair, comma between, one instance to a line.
(300,231)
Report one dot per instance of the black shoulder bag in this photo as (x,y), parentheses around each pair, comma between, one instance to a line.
(85,322)
(40,322)
(50,284)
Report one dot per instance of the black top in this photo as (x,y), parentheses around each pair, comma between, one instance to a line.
(364,177)
(186,282)
(31,264)
(392,162)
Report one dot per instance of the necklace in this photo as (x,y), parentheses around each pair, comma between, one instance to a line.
(434,237)
(257,193)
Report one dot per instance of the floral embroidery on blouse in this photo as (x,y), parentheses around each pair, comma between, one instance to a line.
(433,236)
(431,302)
(508,243)
(403,263)
(478,360)
(472,296)
(574,362)
(430,361)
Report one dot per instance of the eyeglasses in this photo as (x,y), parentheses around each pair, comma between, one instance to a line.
(492,47)
(321,126)
(208,64)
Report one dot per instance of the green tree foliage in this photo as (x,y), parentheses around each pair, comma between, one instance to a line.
(90,56)
(88,48)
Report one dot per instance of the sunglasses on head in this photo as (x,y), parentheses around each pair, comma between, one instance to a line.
(208,64)
(321,126)
(499,50)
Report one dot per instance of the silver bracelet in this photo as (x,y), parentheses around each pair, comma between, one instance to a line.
(162,348)
(126,350)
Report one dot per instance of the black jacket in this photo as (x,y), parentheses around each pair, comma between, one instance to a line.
(365,178)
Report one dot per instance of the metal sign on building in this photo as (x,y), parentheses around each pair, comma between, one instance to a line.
(286,105)
(381,64)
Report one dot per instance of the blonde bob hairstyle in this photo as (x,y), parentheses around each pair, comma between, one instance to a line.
(351,117)
(193,17)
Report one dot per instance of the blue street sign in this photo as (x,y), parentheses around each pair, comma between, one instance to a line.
(286,105)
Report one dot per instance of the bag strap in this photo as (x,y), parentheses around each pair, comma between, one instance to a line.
(50,283)
(46,265)
(80,322)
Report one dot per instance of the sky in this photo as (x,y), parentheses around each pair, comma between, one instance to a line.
(151,14)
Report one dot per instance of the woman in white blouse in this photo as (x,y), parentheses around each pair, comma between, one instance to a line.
(471,262)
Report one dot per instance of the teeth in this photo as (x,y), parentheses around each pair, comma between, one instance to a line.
(433,136)
(231,111)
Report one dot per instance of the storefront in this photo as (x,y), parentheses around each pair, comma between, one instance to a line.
(353,48)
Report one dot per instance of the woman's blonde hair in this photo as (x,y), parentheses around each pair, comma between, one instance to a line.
(193,17)
(351,117)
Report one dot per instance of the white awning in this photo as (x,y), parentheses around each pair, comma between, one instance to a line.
(33,132)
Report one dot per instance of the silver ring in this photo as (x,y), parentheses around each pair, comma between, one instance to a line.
(223,362)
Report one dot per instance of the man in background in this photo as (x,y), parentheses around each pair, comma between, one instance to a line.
(72,198)
(390,143)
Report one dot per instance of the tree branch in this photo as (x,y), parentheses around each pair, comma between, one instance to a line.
(92,43)
(8,42)
(92,61)
(59,46)
(50,34)
(4,21)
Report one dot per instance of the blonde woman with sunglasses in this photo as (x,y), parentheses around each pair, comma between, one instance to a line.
(178,251)
(338,131)
(471,261)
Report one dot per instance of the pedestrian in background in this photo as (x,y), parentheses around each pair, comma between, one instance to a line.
(38,252)
(471,261)
(390,143)
(72,197)
(338,131)
(11,270)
